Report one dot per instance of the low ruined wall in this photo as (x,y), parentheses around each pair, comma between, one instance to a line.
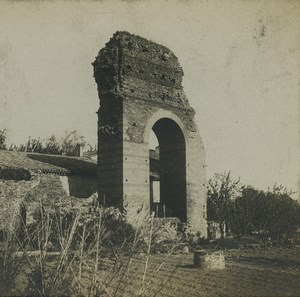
(12,195)
(25,196)
(17,194)
(50,187)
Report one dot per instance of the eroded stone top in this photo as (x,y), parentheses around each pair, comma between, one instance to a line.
(134,67)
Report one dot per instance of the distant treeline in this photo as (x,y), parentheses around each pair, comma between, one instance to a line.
(66,145)
(243,210)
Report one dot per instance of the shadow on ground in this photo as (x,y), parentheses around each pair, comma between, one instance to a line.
(270,262)
(189,266)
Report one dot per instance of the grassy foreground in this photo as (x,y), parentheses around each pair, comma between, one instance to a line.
(248,273)
(98,253)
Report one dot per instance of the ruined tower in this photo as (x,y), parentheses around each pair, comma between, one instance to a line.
(139,86)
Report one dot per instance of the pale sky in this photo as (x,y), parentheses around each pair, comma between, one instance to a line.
(240,58)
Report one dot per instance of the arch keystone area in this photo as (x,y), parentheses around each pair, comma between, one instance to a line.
(160,114)
(139,87)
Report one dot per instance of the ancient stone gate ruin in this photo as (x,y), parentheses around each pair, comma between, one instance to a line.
(139,86)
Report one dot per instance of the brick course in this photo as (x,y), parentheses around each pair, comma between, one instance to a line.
(139,87)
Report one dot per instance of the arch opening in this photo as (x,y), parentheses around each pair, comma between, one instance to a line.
(168,170)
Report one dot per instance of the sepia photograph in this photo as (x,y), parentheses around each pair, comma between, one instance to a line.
(150,148)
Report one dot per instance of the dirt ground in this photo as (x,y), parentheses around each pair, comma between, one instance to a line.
(247,273)
(251,272)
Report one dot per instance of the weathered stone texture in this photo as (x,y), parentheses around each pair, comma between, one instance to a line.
(12,195)
(15,195)
(209,261)
(139,86)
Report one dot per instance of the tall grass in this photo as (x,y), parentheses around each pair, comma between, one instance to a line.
(68,252)
(10,260)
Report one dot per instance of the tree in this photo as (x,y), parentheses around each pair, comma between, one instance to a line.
(52,146)
(284,214)
(67,145)
(70,142)
(221,190)
(272,214)
(3,138)
(33,145)
(247,211)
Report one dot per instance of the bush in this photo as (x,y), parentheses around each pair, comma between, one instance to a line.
(58,217)
(165,236)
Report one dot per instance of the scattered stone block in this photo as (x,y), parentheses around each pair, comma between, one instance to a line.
(209,260)
(185,249)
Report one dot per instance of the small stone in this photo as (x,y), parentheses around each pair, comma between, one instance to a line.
(185,249)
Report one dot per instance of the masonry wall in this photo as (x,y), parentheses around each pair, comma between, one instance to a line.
(12,195)
(45,187)
(18,194)
(139,83)
(110,159)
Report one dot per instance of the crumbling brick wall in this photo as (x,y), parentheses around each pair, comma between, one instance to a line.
(17,195)
(139,84)
(12,195)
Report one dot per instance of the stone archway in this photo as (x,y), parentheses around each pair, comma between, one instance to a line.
(139,86)
(172,168)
